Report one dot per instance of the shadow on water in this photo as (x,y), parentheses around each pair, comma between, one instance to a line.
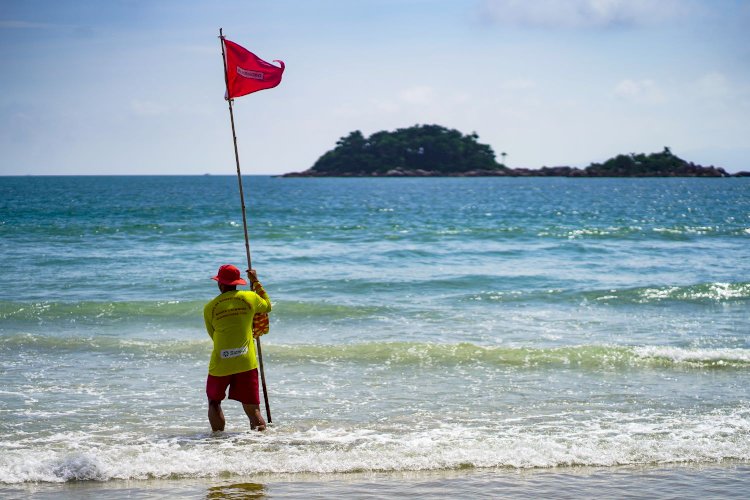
(238,490)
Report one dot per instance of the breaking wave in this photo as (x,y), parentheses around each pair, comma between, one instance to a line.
(605,439)
(607,357)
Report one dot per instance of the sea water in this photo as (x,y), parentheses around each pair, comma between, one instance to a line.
(441,336)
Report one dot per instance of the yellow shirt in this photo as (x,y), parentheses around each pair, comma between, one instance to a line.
(229,322)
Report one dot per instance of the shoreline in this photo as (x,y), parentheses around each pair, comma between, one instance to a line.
(690,480)
(569,172)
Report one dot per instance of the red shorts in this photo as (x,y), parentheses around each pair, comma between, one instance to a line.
(243,387)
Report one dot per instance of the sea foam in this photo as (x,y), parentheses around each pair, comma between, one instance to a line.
(606,439)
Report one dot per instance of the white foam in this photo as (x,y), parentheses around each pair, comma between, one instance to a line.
(715,291)
(685,355)
(603,439)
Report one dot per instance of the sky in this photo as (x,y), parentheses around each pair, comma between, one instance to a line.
(137,87)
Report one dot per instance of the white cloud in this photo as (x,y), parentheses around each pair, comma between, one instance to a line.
(518,84)
(386,106)
(420,95)
(639,91)
(714,85)
(582,13)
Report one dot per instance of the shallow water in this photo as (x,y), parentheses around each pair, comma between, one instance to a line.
(728,480)
(519,333)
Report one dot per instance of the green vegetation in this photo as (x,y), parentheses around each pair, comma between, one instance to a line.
(663,164)
(415,150)
(432,150)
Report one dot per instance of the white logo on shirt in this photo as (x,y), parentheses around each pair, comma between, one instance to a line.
(233,353)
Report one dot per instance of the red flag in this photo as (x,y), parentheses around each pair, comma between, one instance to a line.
(248,73)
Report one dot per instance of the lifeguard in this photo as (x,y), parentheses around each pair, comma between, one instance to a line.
(234,364)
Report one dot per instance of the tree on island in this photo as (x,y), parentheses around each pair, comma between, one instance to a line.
(432,150)
(407,151)
(663,164)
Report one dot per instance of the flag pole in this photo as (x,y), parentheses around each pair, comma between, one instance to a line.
(244,220)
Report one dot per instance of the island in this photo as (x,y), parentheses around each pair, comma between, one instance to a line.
(436,151)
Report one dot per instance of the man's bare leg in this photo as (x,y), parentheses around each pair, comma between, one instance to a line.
(215,415)
(256,419)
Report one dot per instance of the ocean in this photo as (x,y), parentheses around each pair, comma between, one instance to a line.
(434,337)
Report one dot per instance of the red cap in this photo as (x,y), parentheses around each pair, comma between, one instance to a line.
(229,275)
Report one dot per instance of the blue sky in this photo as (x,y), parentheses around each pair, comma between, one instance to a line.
(136,87)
